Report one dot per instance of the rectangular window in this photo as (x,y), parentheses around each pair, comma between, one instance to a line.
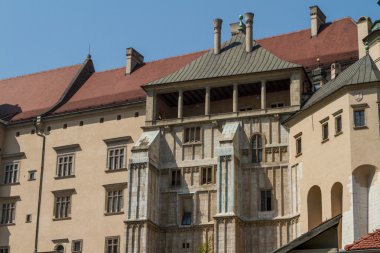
(112,245)
(325,131)
(192,134)
(114,201)
(176,178)
(28,218)
(299,146)
(4,250)
(338,124)
(65,165)
(8,213)
(116,158)
(207,175)
(11,173)
(266,200)
(31,175)
(62,206)
(359,117)
(76,246)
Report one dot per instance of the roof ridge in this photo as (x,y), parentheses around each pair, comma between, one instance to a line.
(40,72)
(306,29)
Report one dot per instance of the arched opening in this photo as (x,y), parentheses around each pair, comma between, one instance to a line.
(257,148)
(314,207)
(363,195)
(336,206)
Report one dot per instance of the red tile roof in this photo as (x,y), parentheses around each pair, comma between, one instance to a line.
(30,95)
(370,241)
(114,87)
(336,41)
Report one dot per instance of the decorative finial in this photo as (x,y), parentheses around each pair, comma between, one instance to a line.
(241,22)
(366,46)
(318,61)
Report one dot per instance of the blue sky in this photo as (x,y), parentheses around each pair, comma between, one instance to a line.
(45,34)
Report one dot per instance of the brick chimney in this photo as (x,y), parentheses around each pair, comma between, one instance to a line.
(217,35)
(134,60)
(317,18)
(364,25)
(249,31)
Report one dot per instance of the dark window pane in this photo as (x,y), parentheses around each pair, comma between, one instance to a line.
(186,218)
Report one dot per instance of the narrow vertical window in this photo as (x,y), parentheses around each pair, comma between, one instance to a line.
(325,131)
(4,249)
(266,200)
(359,118)
(76,246)
(207,175)
(175,178)
(257,148)
(192,135)
(299,146)
(338,124)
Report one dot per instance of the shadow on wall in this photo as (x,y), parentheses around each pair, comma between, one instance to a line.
(365,190)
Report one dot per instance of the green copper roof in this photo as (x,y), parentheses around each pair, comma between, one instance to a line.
(362,71)
(376,26)
(232,60)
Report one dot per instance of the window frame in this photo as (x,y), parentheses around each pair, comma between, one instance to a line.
(177,178)
(113,148)
(257,151)
(192,136)
(325,131)
(9,211)
(299,146)
(118,199)
(338,130)
(68,204)
(63,155)
(363,118)
(265,209)
(106,245)
(80,241)
(3,248)
(12,180)
(207,175)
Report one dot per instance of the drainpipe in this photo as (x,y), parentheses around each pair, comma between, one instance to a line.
(39,131)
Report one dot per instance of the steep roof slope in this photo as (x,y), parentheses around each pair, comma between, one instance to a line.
(336,41)
(362,71)
(232,60)
(370,241)
(28,96)
(114,87)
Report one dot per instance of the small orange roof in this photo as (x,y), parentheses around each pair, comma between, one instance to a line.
(370,241)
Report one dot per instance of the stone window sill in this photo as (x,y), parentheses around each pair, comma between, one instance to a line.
(299,154)
(7,224)
(360,127)
(11,184)
(325,140)
(115,170)
(115,213)
(64,177)
(188,144)
(337,134)
(61,219)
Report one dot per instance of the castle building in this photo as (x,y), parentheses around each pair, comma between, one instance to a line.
(240,148)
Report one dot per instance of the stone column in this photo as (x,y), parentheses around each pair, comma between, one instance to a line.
(295,89)
(151,105)
(235,98)
(180,104)
(263,94)
(207,101)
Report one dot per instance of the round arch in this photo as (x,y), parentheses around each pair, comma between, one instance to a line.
(314,207)
(337,206)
